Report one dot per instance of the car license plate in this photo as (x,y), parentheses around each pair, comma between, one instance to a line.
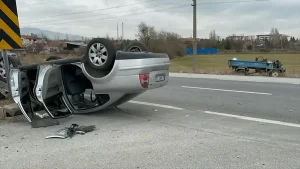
(160,77)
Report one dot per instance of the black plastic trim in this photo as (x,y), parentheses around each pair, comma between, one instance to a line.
(139,55)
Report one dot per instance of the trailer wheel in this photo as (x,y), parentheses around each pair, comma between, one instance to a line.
(100,54)
(274,73)
(246,71)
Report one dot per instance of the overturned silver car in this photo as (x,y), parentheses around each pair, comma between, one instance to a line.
(102,78)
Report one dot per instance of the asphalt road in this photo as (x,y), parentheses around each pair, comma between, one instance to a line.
(191,123)
(268,100)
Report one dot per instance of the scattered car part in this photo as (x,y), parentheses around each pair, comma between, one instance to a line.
(136,46)
(71,131)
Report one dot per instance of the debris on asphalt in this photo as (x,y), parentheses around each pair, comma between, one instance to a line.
(11,110)
(71,131)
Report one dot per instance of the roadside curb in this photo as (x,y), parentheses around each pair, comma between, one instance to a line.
(295,81)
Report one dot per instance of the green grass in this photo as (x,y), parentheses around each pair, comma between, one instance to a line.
(218,64)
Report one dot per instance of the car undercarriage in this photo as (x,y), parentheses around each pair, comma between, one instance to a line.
(102,78)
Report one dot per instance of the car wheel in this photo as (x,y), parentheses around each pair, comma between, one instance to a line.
(13,62)
(136,46)
(53,58)
(100,54)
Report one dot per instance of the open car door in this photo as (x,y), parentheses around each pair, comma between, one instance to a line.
(38,91)
(20,89)
(49,91)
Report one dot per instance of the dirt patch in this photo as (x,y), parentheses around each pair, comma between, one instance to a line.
(5,102)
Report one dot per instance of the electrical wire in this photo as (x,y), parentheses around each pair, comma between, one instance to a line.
(121,6)
(102,9)
(164,9)
(39,2)
(94,16)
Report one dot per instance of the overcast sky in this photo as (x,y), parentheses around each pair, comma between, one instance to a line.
(227,17)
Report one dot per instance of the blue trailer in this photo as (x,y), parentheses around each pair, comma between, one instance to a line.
(273,68)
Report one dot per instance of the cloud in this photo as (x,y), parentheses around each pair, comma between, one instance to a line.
(225,16)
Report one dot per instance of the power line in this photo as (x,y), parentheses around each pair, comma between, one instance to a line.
(225,2)
(42,1)
(93,16)
(181,6)
(120,6)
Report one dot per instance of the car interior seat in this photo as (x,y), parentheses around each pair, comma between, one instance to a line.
(74,81)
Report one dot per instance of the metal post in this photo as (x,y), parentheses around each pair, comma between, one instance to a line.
(194,35)
(122,39)
(117,32)
(7,69)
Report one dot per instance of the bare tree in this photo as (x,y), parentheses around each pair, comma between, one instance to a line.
(165,42)
(213,38)
(67,37)
(275,38)
(39,47)
(212,35)
(145,33)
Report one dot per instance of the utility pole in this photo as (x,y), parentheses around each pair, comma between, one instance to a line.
(194,34)
(117,32)
(122,31)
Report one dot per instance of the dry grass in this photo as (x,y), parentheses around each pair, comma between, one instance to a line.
(218,64)
(38,58)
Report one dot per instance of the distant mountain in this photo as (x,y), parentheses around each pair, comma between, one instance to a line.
(50,34)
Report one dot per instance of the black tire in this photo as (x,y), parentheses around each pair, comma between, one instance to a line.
(110,53)
(136,46)
(53,58)
(12,60)
(274,73)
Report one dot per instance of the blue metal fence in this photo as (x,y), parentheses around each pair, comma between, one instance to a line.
(203,51)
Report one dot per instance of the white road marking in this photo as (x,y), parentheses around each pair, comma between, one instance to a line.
(156,105)
(225,90)
(255,119)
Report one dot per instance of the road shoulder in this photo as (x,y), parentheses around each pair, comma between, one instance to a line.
(239,78)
